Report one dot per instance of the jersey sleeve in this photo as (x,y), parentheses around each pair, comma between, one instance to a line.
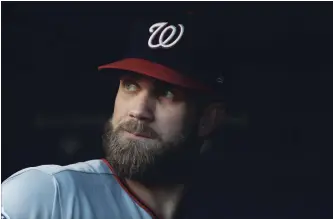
(29,194)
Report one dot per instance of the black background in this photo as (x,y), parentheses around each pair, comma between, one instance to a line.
(281,65)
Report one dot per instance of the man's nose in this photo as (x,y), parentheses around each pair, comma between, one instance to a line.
(143,107)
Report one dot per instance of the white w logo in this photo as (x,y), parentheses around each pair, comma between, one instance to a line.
(156,28)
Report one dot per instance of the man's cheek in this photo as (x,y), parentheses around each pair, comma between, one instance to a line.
(116,122)
(169,132)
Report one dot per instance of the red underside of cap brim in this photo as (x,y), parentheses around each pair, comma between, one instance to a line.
(160,72)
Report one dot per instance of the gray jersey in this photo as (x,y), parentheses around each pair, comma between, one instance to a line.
(87,190)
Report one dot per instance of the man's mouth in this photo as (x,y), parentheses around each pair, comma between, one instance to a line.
(139,135)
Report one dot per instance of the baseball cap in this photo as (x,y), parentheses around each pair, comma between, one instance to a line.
(173,48)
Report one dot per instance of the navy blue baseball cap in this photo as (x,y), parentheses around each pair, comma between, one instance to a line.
(174,49)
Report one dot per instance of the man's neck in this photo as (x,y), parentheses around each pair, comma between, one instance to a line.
(163,200)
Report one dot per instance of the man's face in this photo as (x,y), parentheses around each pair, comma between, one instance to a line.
(152,126)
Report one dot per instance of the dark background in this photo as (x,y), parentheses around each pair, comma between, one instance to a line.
(54,102)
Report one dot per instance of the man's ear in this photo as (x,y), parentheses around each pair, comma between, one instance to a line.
(212,117)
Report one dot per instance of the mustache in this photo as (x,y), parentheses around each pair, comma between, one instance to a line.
(139,128)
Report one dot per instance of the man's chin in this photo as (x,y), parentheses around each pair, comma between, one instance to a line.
(147,160)
(154,168)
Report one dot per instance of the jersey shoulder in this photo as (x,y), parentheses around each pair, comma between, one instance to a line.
(36,189)
(91,166)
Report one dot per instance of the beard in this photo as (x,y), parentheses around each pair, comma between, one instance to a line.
(150,160)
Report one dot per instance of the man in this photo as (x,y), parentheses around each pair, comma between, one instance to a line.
(163,112)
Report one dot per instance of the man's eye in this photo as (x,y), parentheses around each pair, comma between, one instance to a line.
(168,94)
(129,86)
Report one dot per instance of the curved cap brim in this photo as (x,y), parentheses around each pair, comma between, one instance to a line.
(160,72)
